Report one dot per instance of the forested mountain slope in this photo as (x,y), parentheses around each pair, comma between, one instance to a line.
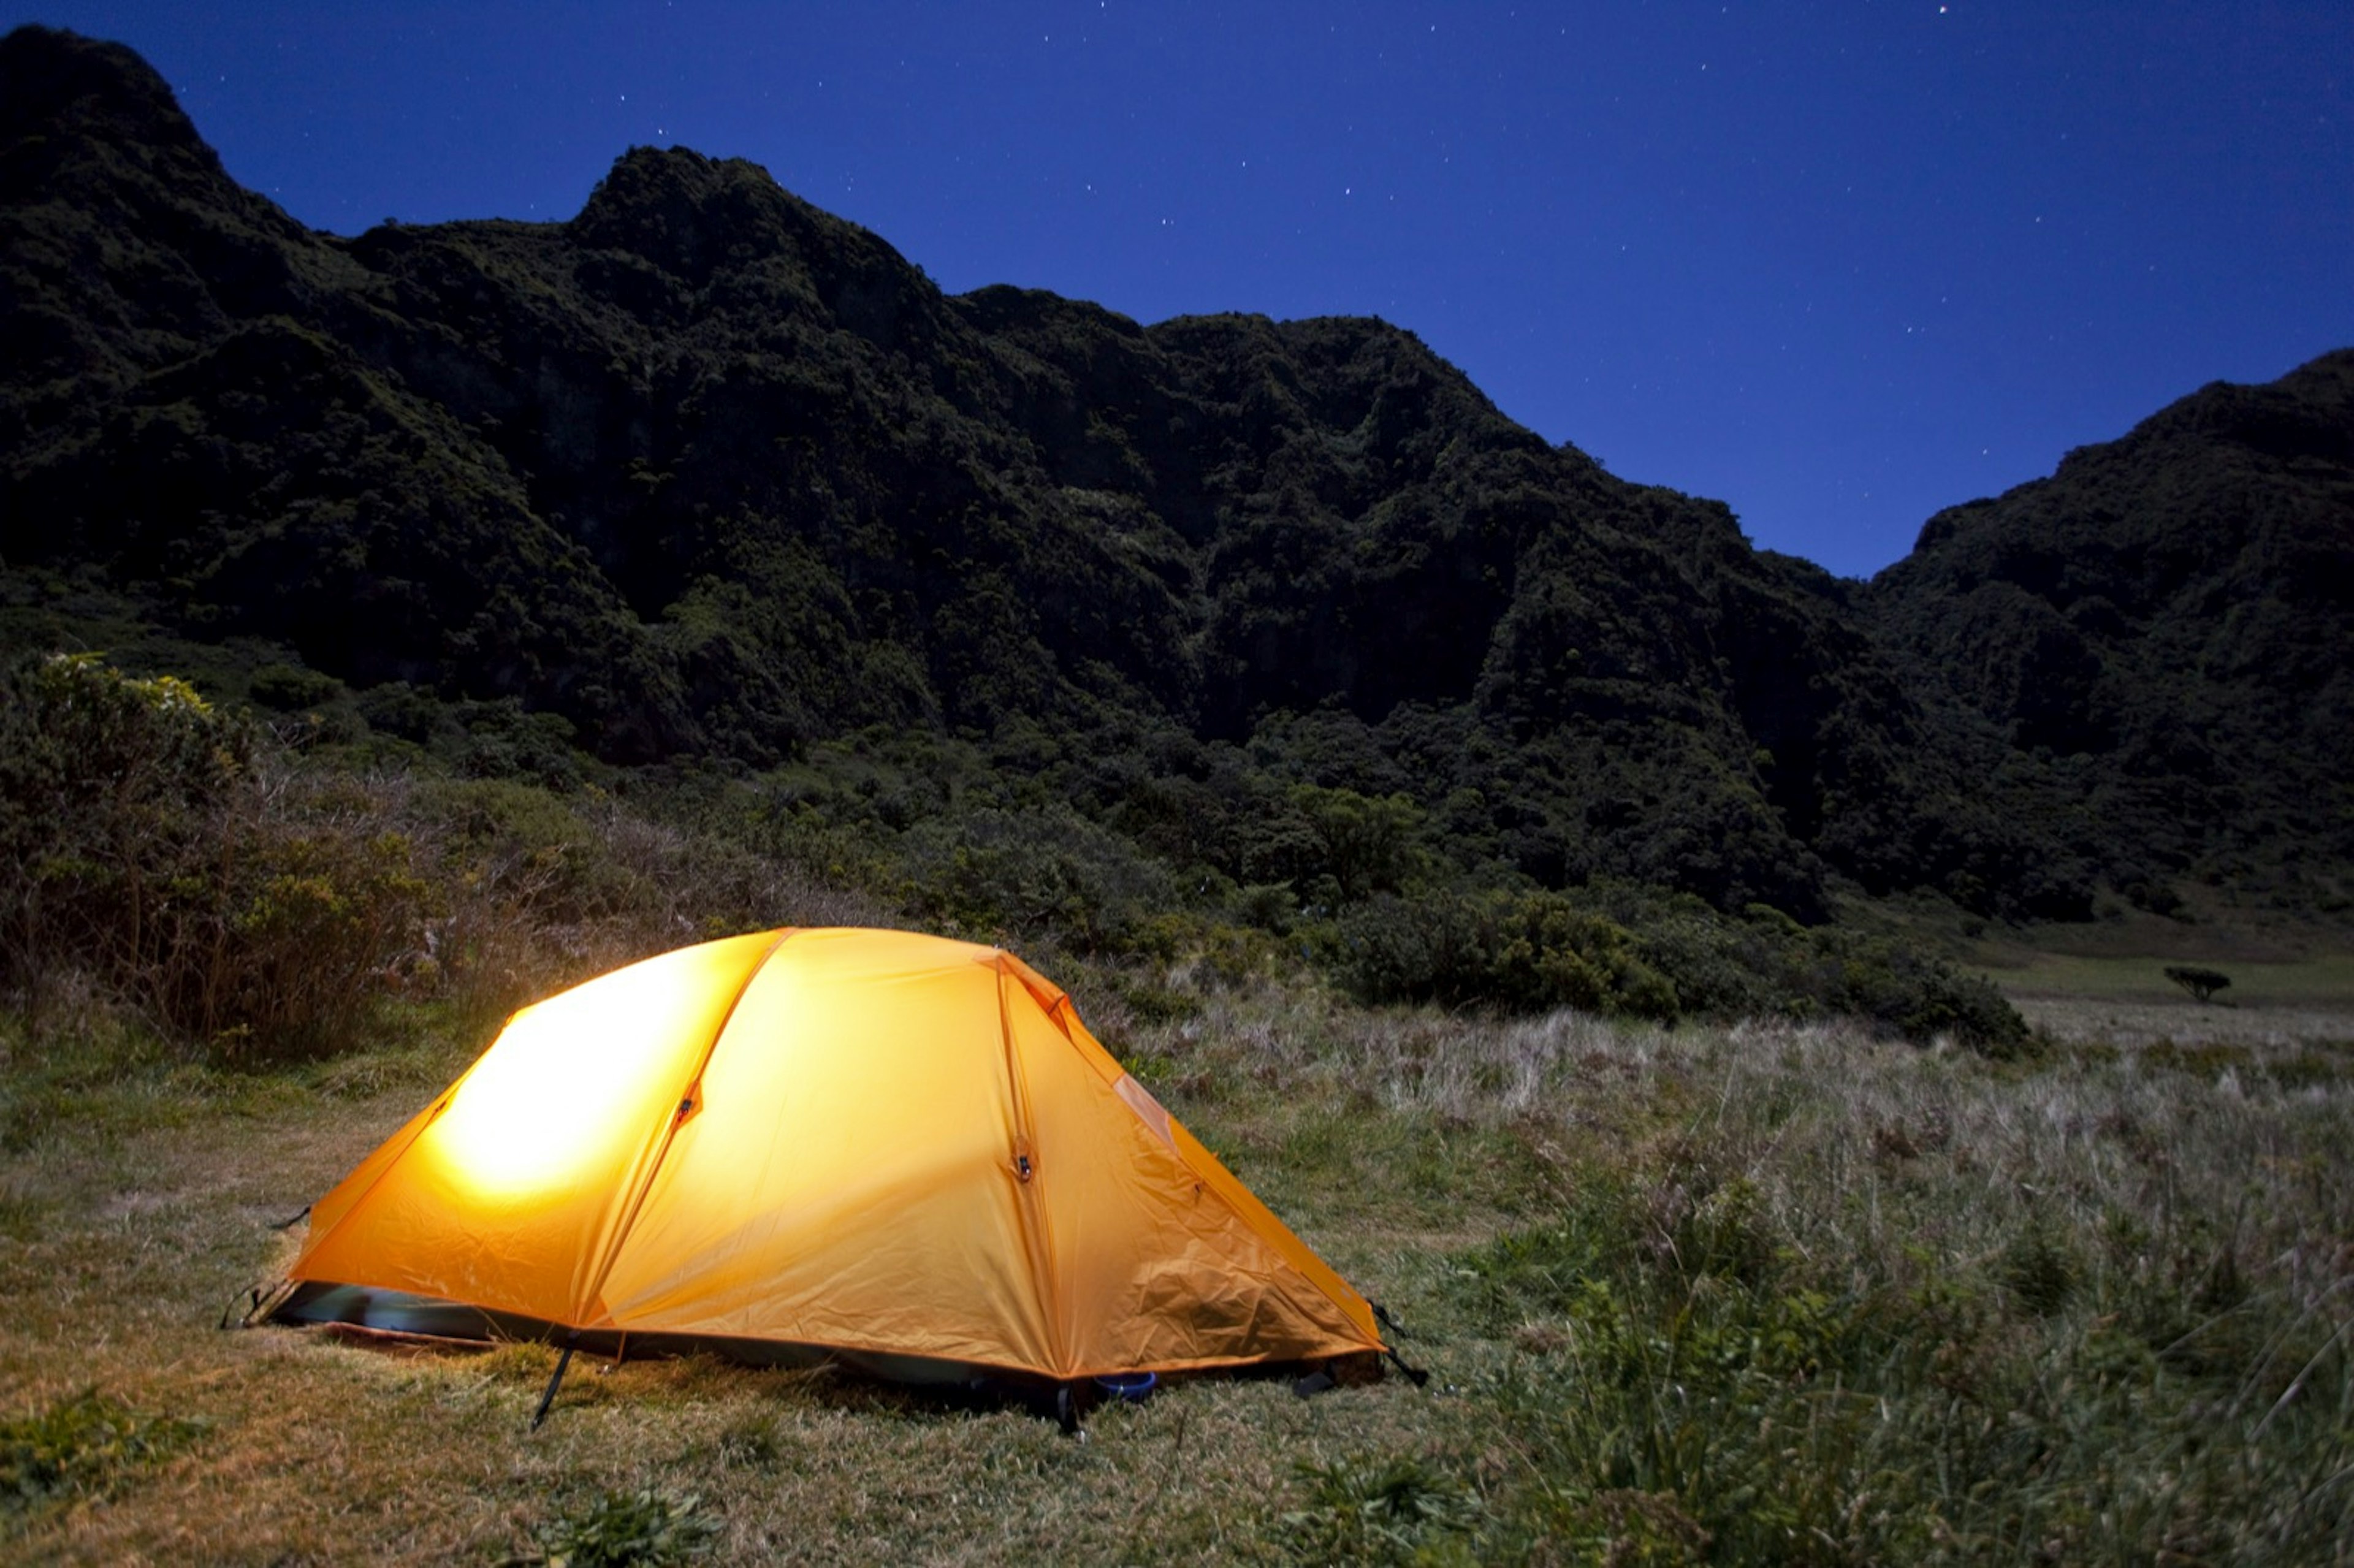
(707,474)
(2163,626)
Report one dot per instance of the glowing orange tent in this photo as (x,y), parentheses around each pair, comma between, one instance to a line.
(894,1146)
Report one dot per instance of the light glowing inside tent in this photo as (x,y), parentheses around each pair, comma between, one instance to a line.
(565,1096)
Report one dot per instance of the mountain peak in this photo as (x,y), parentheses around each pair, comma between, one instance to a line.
(689,214)
(52,80)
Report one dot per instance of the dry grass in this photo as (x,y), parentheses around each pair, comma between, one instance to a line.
(1416,1151)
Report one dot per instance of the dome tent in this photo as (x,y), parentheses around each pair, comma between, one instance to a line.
(893,1148)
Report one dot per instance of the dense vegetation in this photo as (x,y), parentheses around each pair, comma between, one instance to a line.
(265,904)
(707,512)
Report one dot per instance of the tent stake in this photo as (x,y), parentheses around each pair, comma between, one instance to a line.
(549,1397)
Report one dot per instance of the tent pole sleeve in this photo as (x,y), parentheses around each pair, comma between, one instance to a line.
(669,1131)
(1038,1240)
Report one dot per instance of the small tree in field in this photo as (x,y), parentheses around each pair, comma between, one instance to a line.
(2200,984)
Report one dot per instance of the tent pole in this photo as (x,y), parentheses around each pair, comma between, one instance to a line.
(571,1340)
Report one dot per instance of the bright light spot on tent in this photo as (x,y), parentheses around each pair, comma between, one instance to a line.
(577,1087)
(507,1136)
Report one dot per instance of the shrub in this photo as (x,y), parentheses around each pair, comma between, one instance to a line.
(1910,993)
(260,904)
(1767,965)
(2037,1270)
(1369,844)
(1650,954)
(1337,846)
(317,905)
(1393,1511)
(1519,951)
(189,866)
(1050,874)
(111,790)
(290,688)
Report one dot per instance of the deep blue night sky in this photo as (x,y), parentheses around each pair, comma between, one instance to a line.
(1838,264)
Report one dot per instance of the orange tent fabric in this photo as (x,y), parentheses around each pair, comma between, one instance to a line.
(872,1141)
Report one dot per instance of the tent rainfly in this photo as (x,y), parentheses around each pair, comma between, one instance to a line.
(893,1148)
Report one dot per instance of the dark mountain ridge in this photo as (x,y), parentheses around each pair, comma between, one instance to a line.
(708,473)
(2162,628)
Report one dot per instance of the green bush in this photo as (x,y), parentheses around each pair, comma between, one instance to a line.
(261,903)
(1909,993)
(167,851)
(1521,951)
(1336,846)
(1646,954)
(1050,875)
(2037,1270)
(1368,844)
(112,795)
(533,846)
(1396,1510)
(308,921)
(290,688)
(1766,965)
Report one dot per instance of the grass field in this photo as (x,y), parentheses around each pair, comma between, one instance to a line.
(2280,1004)
(2325,982)
(1765,1294)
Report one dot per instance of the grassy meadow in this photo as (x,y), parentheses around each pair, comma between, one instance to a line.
(2326,983)
(1883,1274)
(1766,1293)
